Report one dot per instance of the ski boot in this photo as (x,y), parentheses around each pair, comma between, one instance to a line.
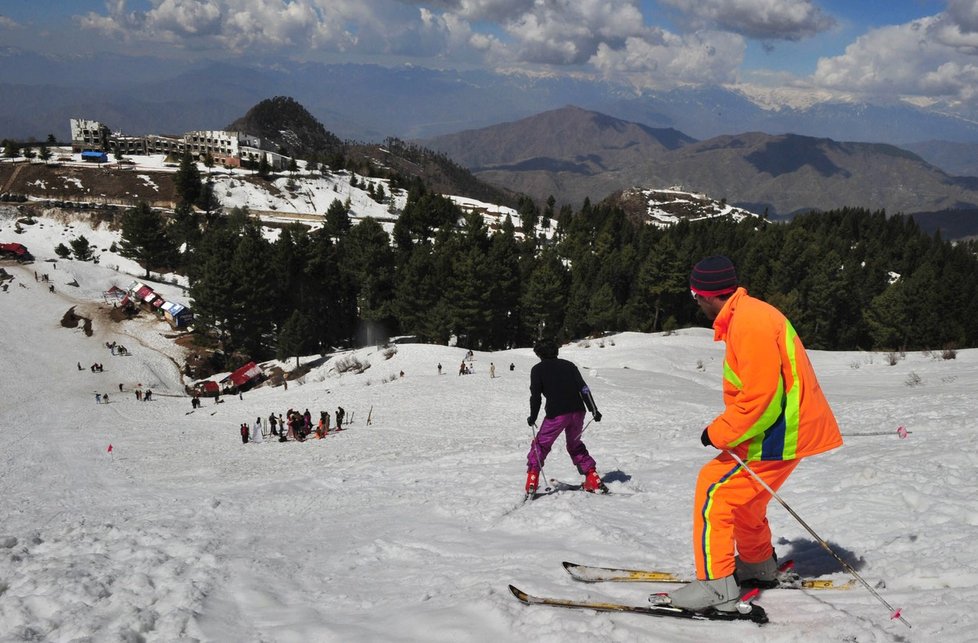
(593,484)
(532,482)
(720,594)
(764,575)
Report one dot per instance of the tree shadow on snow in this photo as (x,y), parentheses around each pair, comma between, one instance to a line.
(811,559)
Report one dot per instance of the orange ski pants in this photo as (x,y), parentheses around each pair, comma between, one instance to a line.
(730,513)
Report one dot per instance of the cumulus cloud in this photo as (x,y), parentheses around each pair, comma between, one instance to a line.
(569,32)
(934,57)
(610,37)
(9,23)
(237,25)
(963,14)
(668,59)
(760,19)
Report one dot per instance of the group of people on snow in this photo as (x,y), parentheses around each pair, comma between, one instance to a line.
(293,425)
(775,414)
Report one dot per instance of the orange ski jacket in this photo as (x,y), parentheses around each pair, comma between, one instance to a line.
(775,408)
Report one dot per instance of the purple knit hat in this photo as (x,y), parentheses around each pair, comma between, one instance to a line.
(713,277)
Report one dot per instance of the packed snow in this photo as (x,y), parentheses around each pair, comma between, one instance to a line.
(151,521)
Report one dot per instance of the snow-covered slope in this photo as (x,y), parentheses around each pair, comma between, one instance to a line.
(409,529)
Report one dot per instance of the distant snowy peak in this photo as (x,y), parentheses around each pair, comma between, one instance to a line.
(666,207)
(775,99)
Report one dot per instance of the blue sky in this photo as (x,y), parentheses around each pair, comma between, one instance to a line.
(920,50)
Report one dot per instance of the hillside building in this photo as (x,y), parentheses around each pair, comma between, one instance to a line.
(225,147)
(88,135)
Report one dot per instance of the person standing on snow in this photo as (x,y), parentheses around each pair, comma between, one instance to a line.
(568,396)
(775,414)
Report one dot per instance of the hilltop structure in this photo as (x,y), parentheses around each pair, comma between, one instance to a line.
(229,148)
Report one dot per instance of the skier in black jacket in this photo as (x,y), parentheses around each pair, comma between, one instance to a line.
(568,396)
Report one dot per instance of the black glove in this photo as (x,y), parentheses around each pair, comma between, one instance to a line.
(531,421)
(705,438)
(597,416)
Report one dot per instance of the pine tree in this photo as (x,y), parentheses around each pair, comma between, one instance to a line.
(81,248)
(418,294)
(467,300)
(504,294)
(544,300)
(252,284)
(213,300)
(144,238)
(296,337)
(187,180)
(329,295)
(368,257)
(603,309)
(337,220)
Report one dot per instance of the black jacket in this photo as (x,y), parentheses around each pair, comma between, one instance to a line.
(561,383)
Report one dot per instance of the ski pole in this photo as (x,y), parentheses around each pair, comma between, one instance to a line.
(894,613)
(536,448)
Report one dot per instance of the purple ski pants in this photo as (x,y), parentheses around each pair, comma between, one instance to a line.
(572,426)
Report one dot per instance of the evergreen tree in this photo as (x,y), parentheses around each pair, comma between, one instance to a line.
(184,232)
(252,284)
(504,294)
(330,295)
(187,180)
(529,215)
(368,256)
(888,317)
(296,337)
(467,300)
(81,248)
(337,220)
(144,238)
(211,292)
(418,296)
(661,288)
(603,309)
(545,297)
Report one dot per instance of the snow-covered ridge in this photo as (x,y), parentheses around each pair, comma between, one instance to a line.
(666,207)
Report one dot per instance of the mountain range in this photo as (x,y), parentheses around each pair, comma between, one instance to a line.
(573,154)
(139,95)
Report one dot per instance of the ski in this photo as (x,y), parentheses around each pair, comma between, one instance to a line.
(754,613)
(591,574)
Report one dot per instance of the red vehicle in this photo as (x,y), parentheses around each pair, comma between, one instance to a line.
(16,251)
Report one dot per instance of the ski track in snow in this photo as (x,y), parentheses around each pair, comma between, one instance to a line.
(410,529)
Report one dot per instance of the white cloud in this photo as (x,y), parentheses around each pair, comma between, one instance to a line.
(964,13)
(8,23)
(664,59)
(759,19)
(238,25)
(930,57)
(609,34)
